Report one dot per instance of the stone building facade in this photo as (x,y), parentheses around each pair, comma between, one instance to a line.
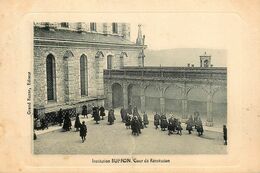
(178,90)
(69,59)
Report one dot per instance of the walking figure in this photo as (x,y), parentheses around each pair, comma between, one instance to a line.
(83,131)
(96,114)
(111,117)
(189,125)
(171,125)
(123,113)
(145,120)
(77,123)
(84,111)
(225,134)
(102,112)
(156,120)
(128,121)
(199,127)
(179,128)
(164,122)
(60,117)
(67,123)
(135,126)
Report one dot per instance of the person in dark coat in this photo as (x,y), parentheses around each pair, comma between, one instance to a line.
(123,113)
(156,120)
(111,117)
(77,123)
(83,131)
(67,123)
(145,120)
(129,110)
(225,134)
(135,126)
(60,117)
(170,125)
(96,114)
(199,127)
(102,112)
(84,111)
(196,117)
(164,122)
(135,112)
(179,128)
(189,124)
(128,121)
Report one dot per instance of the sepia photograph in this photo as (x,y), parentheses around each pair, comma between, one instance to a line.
(129,86)
(107,88)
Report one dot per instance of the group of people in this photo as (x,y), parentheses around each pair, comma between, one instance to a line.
(133,120)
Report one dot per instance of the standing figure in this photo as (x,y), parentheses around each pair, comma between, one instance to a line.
(83,131)
(164,123)
(156,120)
(135,111)
(67,123)
(129,110)
(199,127)
(145,120)
(225,134)
(123,114)
(96,114)
(171,125)
(196,117)
(135,126)
(102,112)
(111,117)
(189,124)
(179,128)
(128,121)
(60,117)
(84,111)
(77,123)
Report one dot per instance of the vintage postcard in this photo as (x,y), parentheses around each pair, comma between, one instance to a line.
(150,89)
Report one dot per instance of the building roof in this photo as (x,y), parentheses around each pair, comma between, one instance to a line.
(59,34)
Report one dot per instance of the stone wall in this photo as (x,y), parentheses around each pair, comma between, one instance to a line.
(68,71)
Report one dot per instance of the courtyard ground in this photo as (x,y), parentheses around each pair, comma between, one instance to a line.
(116,139)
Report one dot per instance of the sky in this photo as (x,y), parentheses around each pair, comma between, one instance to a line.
(188,32)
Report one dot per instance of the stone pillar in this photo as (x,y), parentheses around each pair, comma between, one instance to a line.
(142,98)
(184,104)
(125,95)
(109,98)
(209,111)
(162,101)
(184,109)
(99,76)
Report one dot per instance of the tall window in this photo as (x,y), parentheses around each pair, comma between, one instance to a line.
(83,76)
(64,24)
(114,28)
(50,76)
(93,27)
(109,62)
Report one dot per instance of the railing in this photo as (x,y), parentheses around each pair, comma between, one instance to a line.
(217,73)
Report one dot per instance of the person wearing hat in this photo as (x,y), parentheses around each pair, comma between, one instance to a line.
(83,131)
(170,125)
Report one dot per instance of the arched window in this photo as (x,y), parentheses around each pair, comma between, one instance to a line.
(83,76)
(109,61)
(51,77)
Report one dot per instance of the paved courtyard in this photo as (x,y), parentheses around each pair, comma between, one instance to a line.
(116,139)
